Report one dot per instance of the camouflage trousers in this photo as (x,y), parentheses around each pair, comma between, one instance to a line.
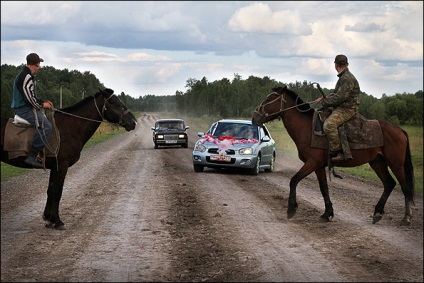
(337,118)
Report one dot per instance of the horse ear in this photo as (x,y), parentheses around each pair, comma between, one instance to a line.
(279,89)
(109,90)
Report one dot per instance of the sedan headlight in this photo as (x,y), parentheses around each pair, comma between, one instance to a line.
(159,137)
(246,151)
(181,136)
(200,147)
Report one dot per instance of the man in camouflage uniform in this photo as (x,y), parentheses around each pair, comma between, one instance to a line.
(345,104)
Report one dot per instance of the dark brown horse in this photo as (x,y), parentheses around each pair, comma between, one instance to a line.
(75,125)
(297,117)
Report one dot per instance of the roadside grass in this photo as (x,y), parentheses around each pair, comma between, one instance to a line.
(279,133)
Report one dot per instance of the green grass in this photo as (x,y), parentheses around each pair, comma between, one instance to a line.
(284,143)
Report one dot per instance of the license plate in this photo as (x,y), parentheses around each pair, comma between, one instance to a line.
(224,158)
(170,141)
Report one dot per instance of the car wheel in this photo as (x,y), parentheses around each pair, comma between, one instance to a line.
(198,168)
(185,145)
(272,164)
(156,145)
(255,170)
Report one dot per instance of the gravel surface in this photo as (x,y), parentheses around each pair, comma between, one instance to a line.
(134,213)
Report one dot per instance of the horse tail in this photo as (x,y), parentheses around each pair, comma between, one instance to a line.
(409,171)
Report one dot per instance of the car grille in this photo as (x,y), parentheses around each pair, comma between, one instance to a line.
(215,151)
(170,137)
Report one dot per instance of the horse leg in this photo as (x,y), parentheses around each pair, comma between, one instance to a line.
(379,165)
(54,194)
(306,169)
(323,186)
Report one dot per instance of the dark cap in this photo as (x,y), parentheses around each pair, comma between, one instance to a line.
(341,60)
(33,58)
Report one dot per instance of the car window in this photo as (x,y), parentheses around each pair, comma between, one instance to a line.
(170,125)
(224,129)
(248,132)
(262,132)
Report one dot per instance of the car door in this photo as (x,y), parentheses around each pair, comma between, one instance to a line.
(266,146)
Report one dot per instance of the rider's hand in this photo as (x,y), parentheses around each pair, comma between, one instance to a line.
(319,99)
(47,104)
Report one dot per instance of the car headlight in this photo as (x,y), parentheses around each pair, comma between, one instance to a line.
(159,137)
(200,147)
(246,151)
(181,136)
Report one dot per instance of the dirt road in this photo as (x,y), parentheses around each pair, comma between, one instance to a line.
(135,213)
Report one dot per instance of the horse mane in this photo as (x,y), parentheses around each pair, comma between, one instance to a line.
(303,107)
(83,101)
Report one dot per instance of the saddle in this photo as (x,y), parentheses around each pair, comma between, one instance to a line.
(19,134)
(357,133)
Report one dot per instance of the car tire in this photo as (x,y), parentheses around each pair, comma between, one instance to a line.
(198,168)
(185,145)
(156,145)
(255,170)
(271,165)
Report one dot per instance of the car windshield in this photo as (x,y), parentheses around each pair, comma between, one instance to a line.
(170,125)
(239,131)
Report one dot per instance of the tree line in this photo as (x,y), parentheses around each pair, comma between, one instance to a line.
(223,98)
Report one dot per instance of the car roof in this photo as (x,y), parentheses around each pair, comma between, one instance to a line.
(170,120)
(247,122)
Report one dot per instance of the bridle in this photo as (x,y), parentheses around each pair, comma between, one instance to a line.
(261,108)
(120,115)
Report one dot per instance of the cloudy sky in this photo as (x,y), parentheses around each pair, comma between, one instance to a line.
(145,47)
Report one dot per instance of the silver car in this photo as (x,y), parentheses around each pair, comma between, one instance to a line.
(235,144)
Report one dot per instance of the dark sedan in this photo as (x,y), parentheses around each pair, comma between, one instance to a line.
(170,132)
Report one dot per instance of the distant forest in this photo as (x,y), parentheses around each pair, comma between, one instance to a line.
(223,98)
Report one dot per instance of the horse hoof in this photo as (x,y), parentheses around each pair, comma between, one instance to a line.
(49,225)
(290,214)
(61,227)
(324,219)
(377,217)
(405,221)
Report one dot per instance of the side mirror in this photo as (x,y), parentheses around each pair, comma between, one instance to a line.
(187,127)
(266,139)
(200,134)
(153,128)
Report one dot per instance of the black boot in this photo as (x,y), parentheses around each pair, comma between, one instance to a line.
(32,160)
(337,156)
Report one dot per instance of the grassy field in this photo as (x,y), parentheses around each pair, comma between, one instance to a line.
(281,137)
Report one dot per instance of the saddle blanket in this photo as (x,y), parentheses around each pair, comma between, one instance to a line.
(361,133)
(18,139)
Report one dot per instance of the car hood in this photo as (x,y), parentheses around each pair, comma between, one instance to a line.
(228,143)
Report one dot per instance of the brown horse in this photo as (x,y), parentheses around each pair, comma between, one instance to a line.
(297,117)
(75,125)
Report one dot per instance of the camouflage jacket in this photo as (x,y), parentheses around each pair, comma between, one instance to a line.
(346,93)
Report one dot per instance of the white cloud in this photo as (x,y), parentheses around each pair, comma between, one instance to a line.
(259,17)
(140,47)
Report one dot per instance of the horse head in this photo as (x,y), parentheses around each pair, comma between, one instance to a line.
(271,107)
(116,112)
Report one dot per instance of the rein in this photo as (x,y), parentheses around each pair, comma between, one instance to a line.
(101,113)
(261,107)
